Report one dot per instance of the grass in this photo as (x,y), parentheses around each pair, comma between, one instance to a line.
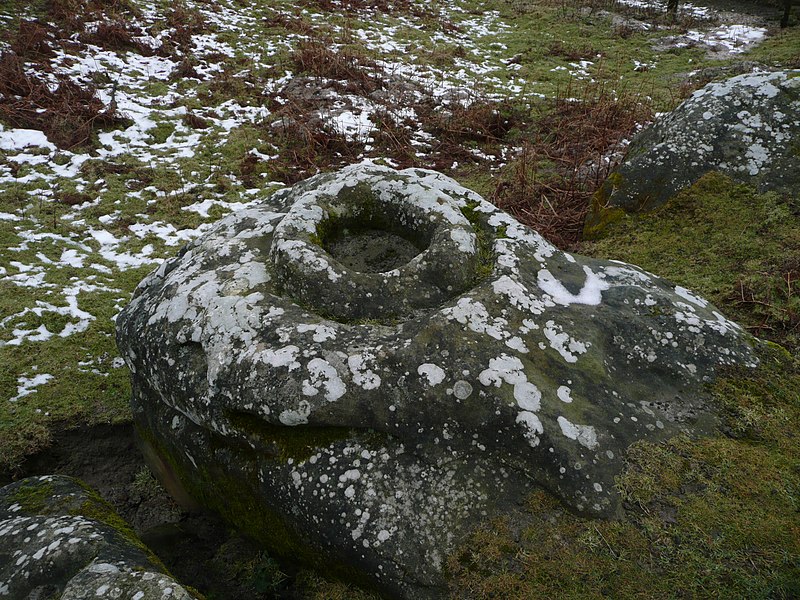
(75,395)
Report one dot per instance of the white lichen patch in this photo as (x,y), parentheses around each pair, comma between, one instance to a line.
(281,358)
(474,315)
(684,293)
(510,370)
(298,416)
(585,435)
(569,348)
(564,394)
(322,333)
(363,375)
(532,427)
(433,374)
(504,368)
(322,373)
(528,396)
(462,389)
(518,295)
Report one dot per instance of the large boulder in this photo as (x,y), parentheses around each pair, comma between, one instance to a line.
(747,127)
(363,367)
(58,539)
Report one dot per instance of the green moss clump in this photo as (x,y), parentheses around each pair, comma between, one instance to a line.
(601,215)
(485,241)
(761,405)
(315,587)
(161,132)
(33,499)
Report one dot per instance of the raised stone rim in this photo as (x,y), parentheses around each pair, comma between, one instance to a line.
(447,265)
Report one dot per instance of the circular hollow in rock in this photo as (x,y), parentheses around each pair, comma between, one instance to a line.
(371,250)
(441,263)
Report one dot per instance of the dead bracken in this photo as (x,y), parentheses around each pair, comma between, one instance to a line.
(68,115)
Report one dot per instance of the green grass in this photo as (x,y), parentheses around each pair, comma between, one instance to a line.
(781,50)
(75,395)
(538,30)
(738,248)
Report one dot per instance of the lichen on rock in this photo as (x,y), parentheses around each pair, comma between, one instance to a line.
(487,365)
(746,127)
(58,539)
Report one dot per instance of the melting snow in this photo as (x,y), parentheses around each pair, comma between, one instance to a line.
(28,385)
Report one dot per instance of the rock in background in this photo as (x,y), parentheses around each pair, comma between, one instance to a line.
(747,127)
(58,539)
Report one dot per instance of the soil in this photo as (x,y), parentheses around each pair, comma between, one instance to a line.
(198,549)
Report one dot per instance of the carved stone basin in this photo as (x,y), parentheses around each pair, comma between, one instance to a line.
(363,367)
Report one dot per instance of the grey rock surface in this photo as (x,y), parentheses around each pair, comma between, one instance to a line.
(59,540)
(376,417)
(747,126)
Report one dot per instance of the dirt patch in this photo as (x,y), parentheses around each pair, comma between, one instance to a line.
(106,458)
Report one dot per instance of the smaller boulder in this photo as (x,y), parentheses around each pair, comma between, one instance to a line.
(59,539)
(746,127)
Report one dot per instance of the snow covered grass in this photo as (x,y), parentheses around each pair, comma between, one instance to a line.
(215,105)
